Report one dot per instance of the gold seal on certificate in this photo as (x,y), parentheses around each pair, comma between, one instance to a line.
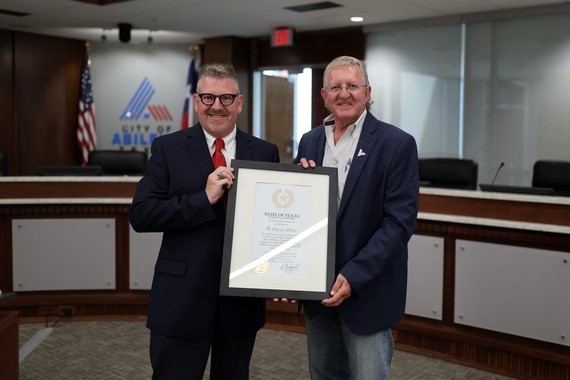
(283,198)
(262,268)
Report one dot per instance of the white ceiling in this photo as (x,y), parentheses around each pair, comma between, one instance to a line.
(189,21)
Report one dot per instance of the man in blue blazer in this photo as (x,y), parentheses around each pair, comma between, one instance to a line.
(181,195)
(349,334)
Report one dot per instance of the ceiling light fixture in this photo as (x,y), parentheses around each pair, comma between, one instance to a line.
(357,19)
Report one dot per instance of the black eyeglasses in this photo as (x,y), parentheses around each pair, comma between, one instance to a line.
(225,99)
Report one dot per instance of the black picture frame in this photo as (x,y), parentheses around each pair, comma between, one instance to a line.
(280,234)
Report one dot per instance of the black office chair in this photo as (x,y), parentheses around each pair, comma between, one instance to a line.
(3,164)
(552,174)
(118,162)
(452,173)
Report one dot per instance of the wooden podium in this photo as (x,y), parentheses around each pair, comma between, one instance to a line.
(9,345)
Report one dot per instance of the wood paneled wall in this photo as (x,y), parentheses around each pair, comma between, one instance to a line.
(7,97)
(40,92)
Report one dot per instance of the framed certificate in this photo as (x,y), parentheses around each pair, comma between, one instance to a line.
(280,231)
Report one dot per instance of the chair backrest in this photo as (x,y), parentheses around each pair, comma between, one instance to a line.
(453,173)
(118,162)
(552,174)
(3,164)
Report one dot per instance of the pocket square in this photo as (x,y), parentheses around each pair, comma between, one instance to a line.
(361,153)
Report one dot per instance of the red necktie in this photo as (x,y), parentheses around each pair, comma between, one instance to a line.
(218,157)
(219,160)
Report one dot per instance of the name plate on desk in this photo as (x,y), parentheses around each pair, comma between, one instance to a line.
(280,231)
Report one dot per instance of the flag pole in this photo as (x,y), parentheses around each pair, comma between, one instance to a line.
(88,52)
(85,134)
(188,113)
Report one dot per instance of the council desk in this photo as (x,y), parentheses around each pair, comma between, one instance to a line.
(488,284)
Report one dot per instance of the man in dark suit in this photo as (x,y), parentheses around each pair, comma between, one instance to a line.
(349,334)
(182,195)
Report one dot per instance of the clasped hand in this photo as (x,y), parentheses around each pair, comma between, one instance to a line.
(218,182)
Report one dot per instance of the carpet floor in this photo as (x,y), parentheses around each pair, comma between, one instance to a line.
(119,350)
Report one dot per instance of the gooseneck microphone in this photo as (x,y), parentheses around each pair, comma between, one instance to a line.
(497,173)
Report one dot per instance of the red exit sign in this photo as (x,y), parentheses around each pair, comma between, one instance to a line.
(282,37)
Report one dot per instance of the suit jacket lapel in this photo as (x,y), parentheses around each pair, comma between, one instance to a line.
(198,148)
(361,155)
(244,150)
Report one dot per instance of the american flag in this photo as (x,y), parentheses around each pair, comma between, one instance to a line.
(86,138)
(188,111)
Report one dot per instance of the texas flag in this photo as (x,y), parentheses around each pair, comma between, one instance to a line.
(188,118)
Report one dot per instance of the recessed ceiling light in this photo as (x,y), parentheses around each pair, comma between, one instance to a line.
(357,19)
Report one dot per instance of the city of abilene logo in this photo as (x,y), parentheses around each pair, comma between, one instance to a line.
(283,198)
(141,122)
(139,106)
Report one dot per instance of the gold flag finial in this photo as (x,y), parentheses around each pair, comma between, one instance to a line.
(193,49)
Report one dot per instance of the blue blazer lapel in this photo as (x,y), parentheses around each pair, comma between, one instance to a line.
(321,142)
(361,155)
(313,146)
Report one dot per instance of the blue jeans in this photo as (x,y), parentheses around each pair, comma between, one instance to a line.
(337,353)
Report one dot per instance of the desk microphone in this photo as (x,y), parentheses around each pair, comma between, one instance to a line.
(497,173)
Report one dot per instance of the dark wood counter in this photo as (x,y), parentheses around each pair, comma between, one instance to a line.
(523,220)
